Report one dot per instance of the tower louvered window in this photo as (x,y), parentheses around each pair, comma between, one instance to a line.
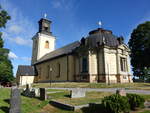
(46,44)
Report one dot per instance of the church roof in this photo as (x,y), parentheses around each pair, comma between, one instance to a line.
(101,36)
(96,38)
(25,70)
(59,52)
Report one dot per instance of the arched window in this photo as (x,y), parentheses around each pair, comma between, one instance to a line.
(46,44)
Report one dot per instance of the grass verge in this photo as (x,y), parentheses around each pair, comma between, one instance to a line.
(91,97)
(4,100)
(144,86)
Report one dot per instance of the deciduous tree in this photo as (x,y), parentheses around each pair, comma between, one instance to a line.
(140,50)
(6,73)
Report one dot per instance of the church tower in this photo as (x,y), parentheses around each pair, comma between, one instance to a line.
(43,41)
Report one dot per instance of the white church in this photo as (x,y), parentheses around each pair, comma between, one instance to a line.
(99,57)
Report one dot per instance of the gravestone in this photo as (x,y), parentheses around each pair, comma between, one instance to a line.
(36,90)
(78,93)
(30,92)
(121,92)
(43,95)
(15,101)
(27,90)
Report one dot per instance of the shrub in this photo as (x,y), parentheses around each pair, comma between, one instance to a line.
(116,104)
(135,101)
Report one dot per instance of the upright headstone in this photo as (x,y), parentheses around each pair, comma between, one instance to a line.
(37,94)
(121,92)
(43,95)
(15,101)
(26,92)
(78,93)
(28,87)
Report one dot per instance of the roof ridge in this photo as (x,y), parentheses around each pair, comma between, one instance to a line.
(60,51)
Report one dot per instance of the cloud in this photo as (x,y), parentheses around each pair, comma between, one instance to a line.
(19,26)
(56,4)
(21,41)
(15,29)
(64,4)
(12,55)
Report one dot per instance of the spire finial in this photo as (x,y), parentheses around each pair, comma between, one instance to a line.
(100,24)
(45,15)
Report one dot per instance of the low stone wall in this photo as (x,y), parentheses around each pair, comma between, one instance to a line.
(67,106)
(15,101)
(61,105)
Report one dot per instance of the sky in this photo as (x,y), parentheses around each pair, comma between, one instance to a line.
(71,20)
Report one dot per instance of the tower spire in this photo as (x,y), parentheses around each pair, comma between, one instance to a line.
(100,24)
(45,15)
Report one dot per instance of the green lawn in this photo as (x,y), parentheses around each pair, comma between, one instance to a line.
(91,97)
(53,90)
(144,86)
(4,100)
(34,105)
(146,97)
(146,111)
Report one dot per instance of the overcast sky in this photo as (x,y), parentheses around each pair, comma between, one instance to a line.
(71,20)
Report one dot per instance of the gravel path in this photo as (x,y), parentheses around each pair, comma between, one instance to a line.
(147,92)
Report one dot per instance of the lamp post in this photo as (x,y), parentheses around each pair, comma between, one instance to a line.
(50,69)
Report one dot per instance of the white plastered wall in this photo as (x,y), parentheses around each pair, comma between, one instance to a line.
(39,49)
(110,65)
(123,51)
(93,67)
(26,80)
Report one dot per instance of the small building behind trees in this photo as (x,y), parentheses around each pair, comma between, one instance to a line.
(25,75)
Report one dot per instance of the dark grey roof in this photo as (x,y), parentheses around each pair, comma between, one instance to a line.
(61,51)
(96,37)
(25,70)
(99,36)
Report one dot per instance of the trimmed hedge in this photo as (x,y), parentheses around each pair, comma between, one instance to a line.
(122,104)
(116,104)
(135,101)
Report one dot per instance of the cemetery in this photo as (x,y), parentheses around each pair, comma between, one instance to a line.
(62,63)
(59,100)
